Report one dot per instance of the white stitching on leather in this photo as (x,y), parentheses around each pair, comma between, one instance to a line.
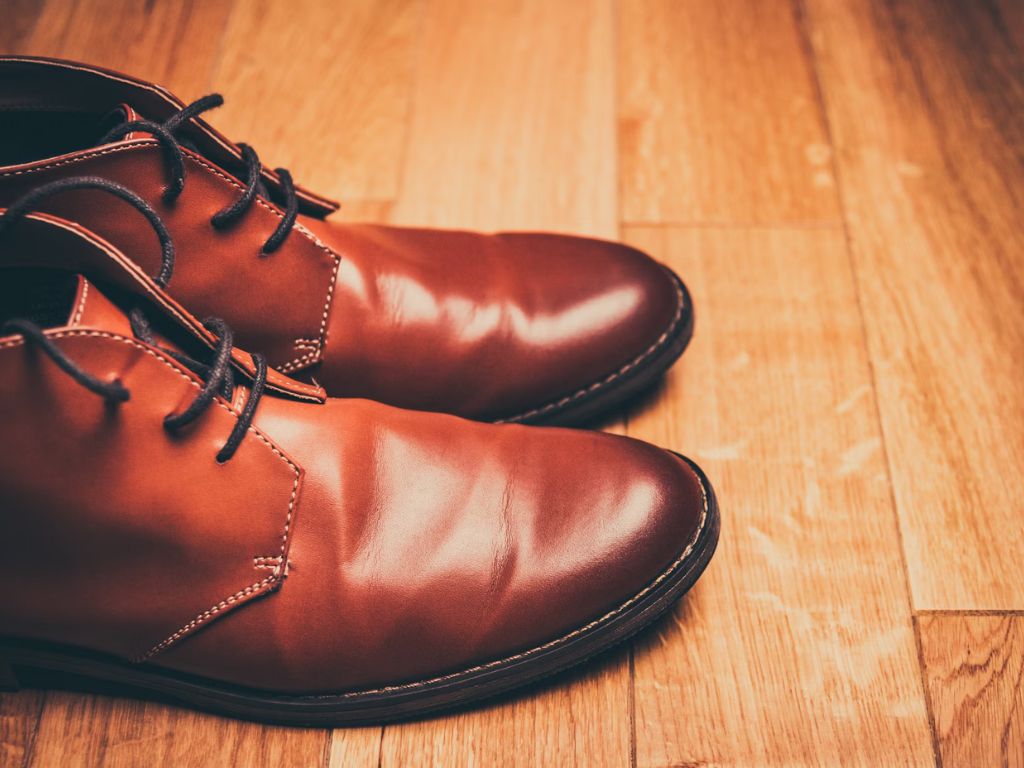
(204,617)
(639,360)
(272,580)
(77,317)
(139,144)
(259,586)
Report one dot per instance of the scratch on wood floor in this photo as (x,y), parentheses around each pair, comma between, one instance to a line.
(857,456)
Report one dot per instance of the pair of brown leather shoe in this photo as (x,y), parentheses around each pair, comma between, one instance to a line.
(242,532)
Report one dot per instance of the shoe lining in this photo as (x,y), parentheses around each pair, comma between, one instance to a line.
(38,135)
(43,296)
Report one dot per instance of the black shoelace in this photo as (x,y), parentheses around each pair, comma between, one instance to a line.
(217,376)
(30,200)
(175,157)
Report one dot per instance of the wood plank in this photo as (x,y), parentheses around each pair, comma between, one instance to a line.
(20,17)
(974,670)
(926,102)
(375,211)
(174,44)
(578,719)
(719,117)
(101,732)
(355,747)
(323,89)
(514,127)
(797,646)
(19,717)
(513,118)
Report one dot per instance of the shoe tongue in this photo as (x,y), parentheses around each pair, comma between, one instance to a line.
(92,309)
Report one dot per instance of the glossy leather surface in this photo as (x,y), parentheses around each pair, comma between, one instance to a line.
(383,545)
(485,326)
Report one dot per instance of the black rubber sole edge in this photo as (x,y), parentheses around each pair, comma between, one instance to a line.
(52,664)
(586,408)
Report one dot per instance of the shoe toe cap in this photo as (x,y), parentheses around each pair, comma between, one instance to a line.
(599,546)
(601,313)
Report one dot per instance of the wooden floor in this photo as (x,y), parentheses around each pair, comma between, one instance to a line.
(841,183)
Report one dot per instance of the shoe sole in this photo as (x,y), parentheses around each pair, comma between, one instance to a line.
(632,379)
(47,665)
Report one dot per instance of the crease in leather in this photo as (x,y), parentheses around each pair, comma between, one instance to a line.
(567,637)
(505,555)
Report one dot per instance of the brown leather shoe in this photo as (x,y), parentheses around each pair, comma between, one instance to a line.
(179,520)
(508,327)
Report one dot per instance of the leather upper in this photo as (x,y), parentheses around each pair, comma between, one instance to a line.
(347,545)
(485,326)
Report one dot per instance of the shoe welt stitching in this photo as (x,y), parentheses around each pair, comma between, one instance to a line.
(259,586)
(619,373)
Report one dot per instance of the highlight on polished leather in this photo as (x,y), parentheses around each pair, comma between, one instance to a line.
(180,521)
(515,327)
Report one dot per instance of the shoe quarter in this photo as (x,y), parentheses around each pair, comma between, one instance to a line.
(118,536)
(278,304)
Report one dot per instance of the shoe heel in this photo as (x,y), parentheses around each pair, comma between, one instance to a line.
(8,680)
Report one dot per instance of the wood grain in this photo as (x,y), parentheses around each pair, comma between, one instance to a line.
(100,732)
(974,669)
(356,747)
(513,118)
(19,720)
(323,89)
(172,43)
(797,646)
(719,118)
(579,719)
(20,17)
(926,101)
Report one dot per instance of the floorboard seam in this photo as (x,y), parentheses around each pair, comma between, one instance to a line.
(927,699)
(803,26)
